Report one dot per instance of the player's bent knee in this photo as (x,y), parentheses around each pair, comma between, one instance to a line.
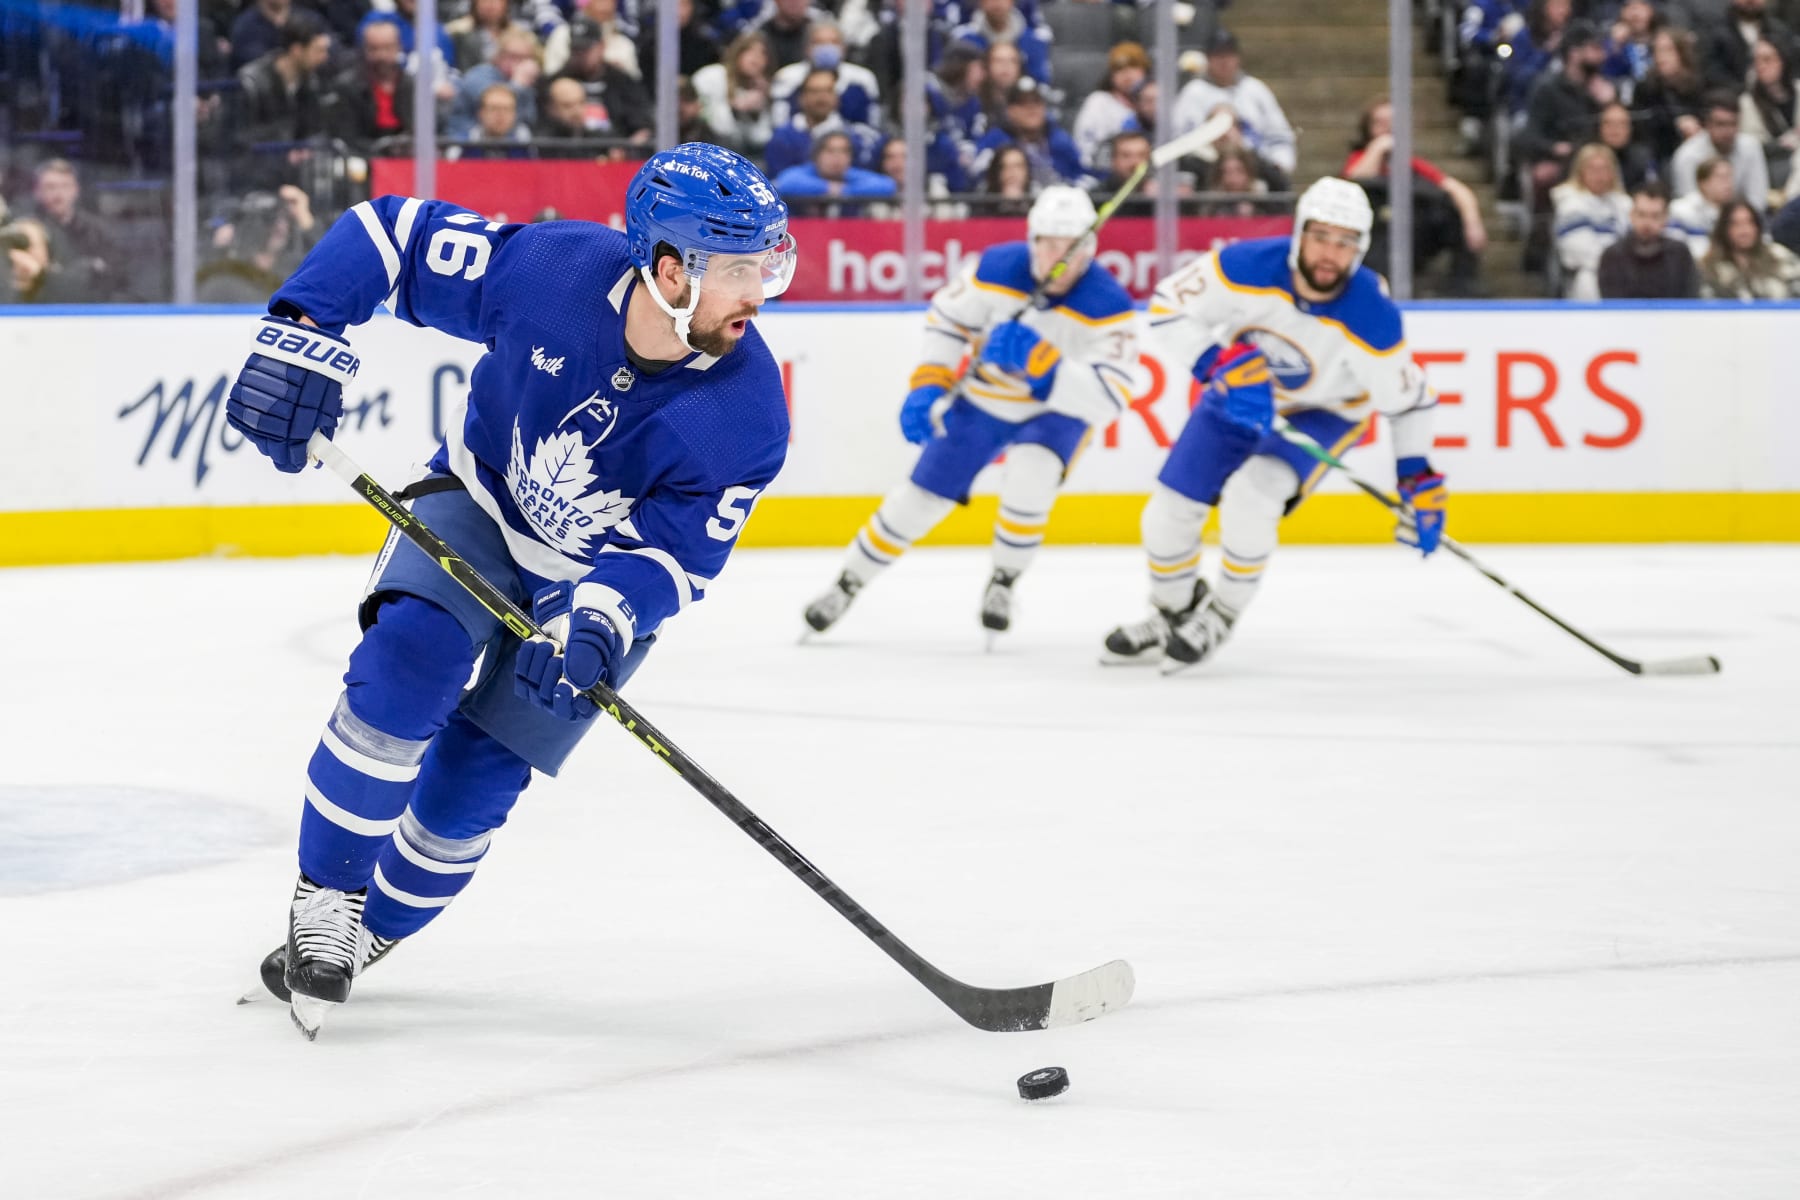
(1170,518)
(1262,486)
(408,671)
(1033,473)
(914,512)
(468,783)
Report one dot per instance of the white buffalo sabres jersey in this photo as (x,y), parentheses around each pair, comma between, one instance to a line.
(1093,326)
(1347,355)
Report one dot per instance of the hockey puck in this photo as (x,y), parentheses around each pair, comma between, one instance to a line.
(1043,1083)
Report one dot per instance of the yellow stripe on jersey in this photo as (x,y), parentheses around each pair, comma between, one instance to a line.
(1066,311)
(1342,444)
(985,286)
(932,374)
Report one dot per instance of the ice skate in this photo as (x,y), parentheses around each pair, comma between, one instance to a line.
(274,966)
(996,604)
(325,949)
(1139,644)
(1198,636)
(824,612)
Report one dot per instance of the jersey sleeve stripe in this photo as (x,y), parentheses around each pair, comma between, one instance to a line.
(403,225)
(384,245)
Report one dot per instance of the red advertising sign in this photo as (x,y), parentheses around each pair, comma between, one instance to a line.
(841,259)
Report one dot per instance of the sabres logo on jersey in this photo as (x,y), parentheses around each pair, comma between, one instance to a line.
(1292,367)
(553,488)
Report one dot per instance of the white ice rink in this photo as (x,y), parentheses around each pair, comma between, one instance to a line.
(1425,899)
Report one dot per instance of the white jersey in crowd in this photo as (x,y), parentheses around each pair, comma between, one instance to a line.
(1093,326)
(1347,355)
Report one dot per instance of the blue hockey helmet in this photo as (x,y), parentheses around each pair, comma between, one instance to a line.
(705,200)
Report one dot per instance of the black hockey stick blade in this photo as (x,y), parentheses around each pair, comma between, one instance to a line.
(1041,1006)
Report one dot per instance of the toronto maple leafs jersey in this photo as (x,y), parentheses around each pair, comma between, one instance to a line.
(1347,355)
(632,485)
(1094,327)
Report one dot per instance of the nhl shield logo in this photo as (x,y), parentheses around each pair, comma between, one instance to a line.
(623,379)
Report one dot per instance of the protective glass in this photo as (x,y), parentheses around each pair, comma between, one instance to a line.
(752,277)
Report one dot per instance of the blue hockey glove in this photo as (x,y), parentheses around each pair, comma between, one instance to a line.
(591,653)
(1426,498)
(1238,386)
(1018,350)
(930,383)
(291,386)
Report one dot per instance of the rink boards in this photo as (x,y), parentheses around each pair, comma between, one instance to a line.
(1557,423)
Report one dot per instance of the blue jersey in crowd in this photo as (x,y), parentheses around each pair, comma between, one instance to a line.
(599,468)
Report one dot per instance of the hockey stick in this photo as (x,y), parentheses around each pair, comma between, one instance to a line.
(1041,1006)
(1696,664)
(1197,140)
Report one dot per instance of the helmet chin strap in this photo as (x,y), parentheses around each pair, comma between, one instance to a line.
(683,317)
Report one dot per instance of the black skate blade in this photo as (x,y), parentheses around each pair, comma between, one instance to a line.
(311,1035)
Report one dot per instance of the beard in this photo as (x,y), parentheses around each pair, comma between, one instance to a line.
(1312,281)
(718,338)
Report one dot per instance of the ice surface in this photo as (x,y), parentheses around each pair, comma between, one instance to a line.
(1424,898)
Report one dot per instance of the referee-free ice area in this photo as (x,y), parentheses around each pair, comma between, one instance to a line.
(1425,899)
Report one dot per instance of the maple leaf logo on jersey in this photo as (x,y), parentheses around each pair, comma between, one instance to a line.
(552,489)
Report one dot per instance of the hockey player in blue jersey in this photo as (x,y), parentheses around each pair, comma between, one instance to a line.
(615,435)
(1295,325)
(1040,376)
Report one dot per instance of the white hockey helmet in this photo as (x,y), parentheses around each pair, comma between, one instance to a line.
(1333,201)
(1061,211)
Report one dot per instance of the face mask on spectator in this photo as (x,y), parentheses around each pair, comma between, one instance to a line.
(827,55)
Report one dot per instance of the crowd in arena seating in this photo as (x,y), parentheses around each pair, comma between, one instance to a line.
(1647,145)
(296,95)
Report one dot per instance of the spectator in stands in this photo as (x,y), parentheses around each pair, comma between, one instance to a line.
(517,64)
(1591,213)
(1008,180)
(81,250)
(1146,108)
(1446,212)
(498,130)
(995,22)
(1741,265)
(1002,67)
(1233,175)
(1629,53)
(1726,40)
(1266,126)
(564,118)
(598,21)
(374,99)
(279,105)
(1110,109)
(617,103)
(1635,162)
(257,30)
(953,97)
(734,96)
(34,276)
(1720,135)
(1533,49)
(477,33)
(859,94)
(1693,217)
(1235,138)
(258,248)
(1564,109)
(792,143)
(1769,110)
(1665,106)
(1645,265)
(784,23)
(405,14)
(1049,149)
(831,175)
(695,46)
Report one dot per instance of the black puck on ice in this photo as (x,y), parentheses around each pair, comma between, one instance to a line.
(1043,1083)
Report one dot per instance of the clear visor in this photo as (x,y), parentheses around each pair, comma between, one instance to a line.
(746,277)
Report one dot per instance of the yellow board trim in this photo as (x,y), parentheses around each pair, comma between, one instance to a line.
(140,535)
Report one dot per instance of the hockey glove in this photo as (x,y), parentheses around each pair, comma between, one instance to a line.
(590,655)
(1426,499)
(931,383)
(1018,350)
(1237,386)
(291,386)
